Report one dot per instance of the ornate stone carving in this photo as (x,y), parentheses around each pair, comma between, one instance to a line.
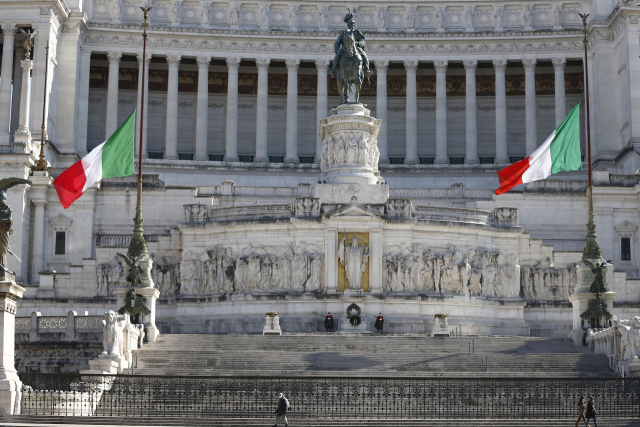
(500,64)
(529,64)
(203,61)
(468,18)
(233,62)
(527,17)
(112,335)
(559,63)
(470,65)
(629,339)
(440,65)
(166,276)
(173,60)
(504,217)
(440,19)
(109,273)
(399,208)
(382,12)
(543,281)
(354,259)
(307,207)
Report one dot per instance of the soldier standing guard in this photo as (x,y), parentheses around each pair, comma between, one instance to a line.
(340,49)
(379,322)
(328,322)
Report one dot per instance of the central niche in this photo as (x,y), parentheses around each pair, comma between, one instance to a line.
(363,242)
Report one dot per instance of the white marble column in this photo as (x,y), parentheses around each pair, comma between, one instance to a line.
(10,384)
(46,34)
(561,104)
(530,105)
(411,156)
(292,111)
(9,31)
(139,106)
(502,157)
(202,124)
(262,111)
(471,109)
(321,105)
(25,98)
(17,86)
(83,101)
(441,112)
(381,108)
(232,110)
(111,123)
(171,141)
(37,262)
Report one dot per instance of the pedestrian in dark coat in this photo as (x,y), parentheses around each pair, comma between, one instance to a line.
(581,411)
(591,412)
(379,322)
(328,322)
(281,411)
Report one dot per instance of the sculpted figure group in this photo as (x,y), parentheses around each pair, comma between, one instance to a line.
(630,338)
(350,148)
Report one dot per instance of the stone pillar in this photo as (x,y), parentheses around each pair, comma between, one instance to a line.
(530,105)
(331,259)
(171,141)
(232,110)
(375,260)
(10,384)
(321,106)
(502,156)
(441,112)
(139,105)
(411,113)
(262,111)
(292,111)
(39,55)
(83,102)
(25,99)
(41,182)
(381,108)
(9,31)
(17,86)
(202,108)
(149,295)
(471,156)
(561,104)
(111,123)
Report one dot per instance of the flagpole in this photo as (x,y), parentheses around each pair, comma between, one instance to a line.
(41,166)
(592,249)
(137,246)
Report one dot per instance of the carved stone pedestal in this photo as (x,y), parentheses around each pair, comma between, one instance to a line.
(10,384)
(345,327)
(105,364)
(149,295)
(272,325)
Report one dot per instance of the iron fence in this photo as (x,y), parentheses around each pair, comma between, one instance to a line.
(324,397)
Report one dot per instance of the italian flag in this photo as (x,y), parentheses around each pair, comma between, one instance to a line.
(112,158)
(559,153)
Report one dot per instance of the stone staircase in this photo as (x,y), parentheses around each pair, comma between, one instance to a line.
(368,355)
(32,421)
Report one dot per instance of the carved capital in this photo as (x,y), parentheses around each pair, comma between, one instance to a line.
(114,57)
(441,65)
(559,63)
(470,65)
(322,64)
(233,62)
(529,64)
(9,30)
(263,63)
(139,58)
(500,64)
(411,66)
(381,65)
(173,60)
(292,64)
(26,64)
(203,61)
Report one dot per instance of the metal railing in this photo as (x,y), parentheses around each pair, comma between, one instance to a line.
(324,397)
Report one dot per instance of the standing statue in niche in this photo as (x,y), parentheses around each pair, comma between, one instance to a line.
(351,64)
(354,259)
(6,222)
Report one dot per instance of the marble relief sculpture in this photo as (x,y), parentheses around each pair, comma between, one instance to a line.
(109,273)
(527,17)
(629,338)
(349,148)
(354,259)
(112,337)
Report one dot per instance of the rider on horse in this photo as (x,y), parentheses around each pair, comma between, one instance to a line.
(340,49)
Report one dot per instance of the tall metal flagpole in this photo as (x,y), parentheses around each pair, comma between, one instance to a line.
(137,246)
(591,250)
(41,166)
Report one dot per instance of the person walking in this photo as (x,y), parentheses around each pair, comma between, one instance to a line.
(581,411)
(591,412)
(281,411)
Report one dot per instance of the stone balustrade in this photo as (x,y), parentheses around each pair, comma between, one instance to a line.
(438,213)
(72,327)
(621,343)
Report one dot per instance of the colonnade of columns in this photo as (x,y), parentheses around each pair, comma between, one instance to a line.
(261,151)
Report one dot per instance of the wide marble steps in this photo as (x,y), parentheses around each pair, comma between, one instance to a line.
(35,421)
(366,355)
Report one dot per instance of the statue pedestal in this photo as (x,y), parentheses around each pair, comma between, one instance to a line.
(105,364)
(272,325)
(630,368)
(149,295)
(345,327)
(10,384)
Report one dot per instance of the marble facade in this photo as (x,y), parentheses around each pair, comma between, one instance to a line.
(243,201)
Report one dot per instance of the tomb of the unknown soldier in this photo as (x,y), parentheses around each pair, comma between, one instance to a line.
(227,213)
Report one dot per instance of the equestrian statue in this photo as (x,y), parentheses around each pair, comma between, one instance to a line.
(350,65)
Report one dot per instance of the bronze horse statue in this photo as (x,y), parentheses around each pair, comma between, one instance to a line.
(350,70)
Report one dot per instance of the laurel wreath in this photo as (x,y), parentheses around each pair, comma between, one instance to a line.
(354,319)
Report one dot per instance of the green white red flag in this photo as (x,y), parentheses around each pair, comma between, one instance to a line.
(112,158)
(559,153)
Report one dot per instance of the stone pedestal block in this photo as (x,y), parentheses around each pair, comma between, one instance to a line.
(350,152)
(149,295)
(104,364)
(364,194)
(345,327)
(46,289)
(10,384)
(441,327)
(272,325)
